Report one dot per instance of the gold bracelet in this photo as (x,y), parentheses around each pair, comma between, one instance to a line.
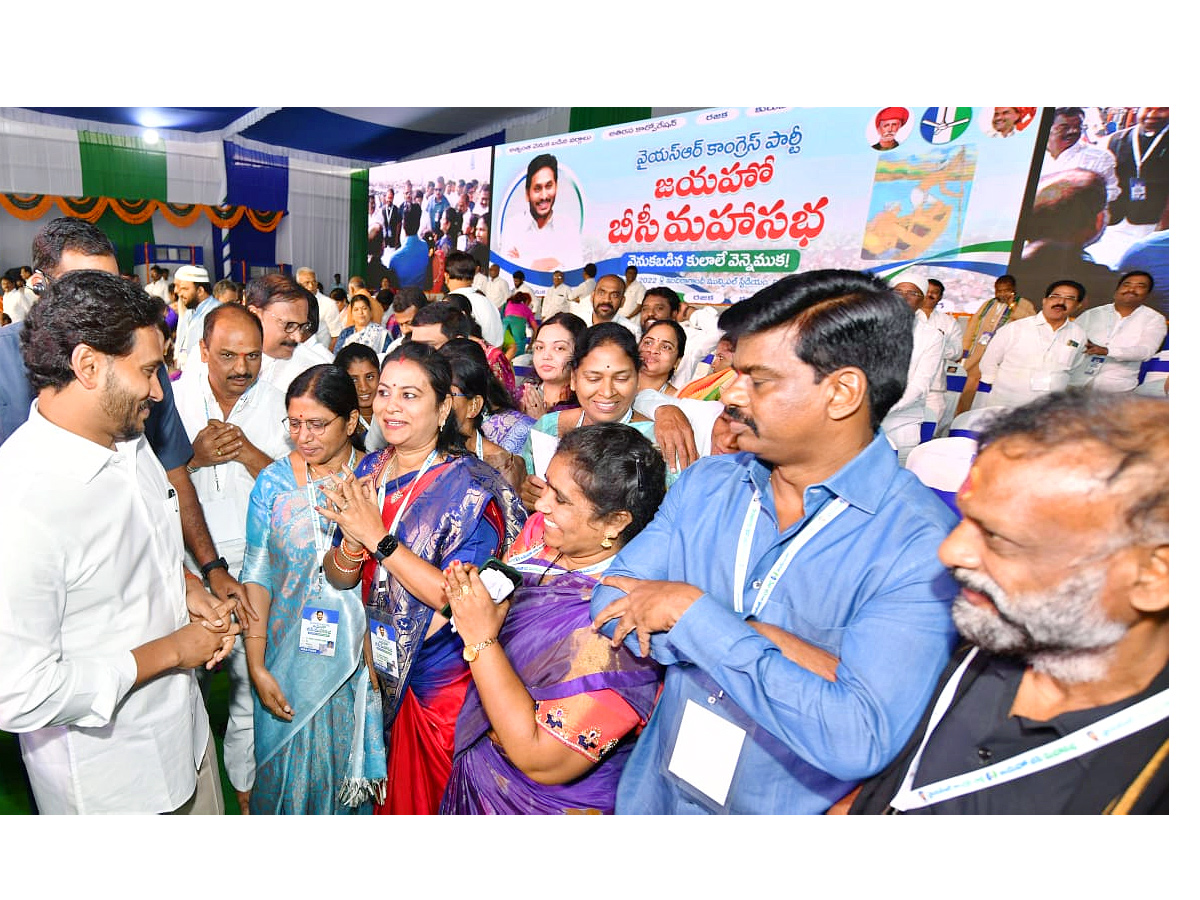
(254,637)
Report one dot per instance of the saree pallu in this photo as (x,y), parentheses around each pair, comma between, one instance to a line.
(461,509)
(707,387)
(548,639)
(508,428)
(302,764)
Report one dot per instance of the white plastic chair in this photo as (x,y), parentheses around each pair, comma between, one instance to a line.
(942,465)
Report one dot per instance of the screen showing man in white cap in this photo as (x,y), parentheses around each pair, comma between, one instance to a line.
(195,301)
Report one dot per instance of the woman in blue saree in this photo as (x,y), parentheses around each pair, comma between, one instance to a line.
(312,714)
(551,715)
(416,505)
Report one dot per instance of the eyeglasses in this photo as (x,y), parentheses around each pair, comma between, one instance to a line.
(289,327)
(910,293)
(459,394)
(1070,297)
(316,426)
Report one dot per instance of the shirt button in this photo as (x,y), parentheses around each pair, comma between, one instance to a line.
(984,754)
(756,584)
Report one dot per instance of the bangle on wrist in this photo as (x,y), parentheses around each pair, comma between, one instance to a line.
(353,557)
(254,637)
(343,569)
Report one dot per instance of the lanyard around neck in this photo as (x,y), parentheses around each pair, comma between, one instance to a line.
(380,572)
(1138,156)
(1084,740)
(625,419)
(766,588)
(322,534)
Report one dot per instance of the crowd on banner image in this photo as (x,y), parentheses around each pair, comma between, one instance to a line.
(467,545)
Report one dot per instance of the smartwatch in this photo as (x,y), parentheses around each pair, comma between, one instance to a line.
(387,546)
(218,563)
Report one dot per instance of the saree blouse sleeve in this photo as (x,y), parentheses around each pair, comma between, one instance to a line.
(591,723)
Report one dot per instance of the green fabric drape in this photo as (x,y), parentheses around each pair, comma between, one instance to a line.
(359,188)
(114,166)
(585,117)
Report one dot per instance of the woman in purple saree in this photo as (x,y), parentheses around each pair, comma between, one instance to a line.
(538,653)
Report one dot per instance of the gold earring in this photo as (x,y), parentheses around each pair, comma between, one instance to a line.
(607,542)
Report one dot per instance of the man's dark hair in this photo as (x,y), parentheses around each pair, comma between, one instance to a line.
(618,469)
(224,311)
(1074,112)
(541,161)
(100,310)
(667,294)
(518,274)
(447,316)
(460,266)
(412,220)
(384,297)
(279,288)
(841,318)
(225,284)
(1126,275)
(589,270)
(66,233)
(1006,279)
(1135,431)
(338,294)
(941,287)
(1054,285)
(409,296)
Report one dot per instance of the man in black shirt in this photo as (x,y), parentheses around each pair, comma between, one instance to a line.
(1057,703)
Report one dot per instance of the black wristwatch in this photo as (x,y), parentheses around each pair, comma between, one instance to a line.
(387,546)
(218,563)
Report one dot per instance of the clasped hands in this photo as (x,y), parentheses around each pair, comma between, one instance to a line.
(351,504)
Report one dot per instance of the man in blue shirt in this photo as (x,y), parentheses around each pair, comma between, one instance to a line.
(410,264)
(793,589)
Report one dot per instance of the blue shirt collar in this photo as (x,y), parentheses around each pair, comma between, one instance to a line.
(862,482)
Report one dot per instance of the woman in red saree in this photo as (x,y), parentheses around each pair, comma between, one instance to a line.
(417,505)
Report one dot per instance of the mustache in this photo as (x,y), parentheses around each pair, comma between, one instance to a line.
(735,414)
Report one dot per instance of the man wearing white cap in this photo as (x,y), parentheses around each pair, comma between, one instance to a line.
(195,302)
(902,424)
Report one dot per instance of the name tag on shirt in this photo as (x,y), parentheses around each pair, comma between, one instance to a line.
(1137,189)
(706,751)
(985,337)
(383,649)
(318,630)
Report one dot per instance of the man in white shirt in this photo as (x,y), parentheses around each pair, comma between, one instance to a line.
(158,286)
(235,424)
(605,301)
(940,402)
(329,318)
(582,291)
(460,270)
(634,292)
(557,297)
(497,289)
(17,301)
(1122,335)
(546,242)
(195,302)
(99,624)
(1065,149)
(282,306)
(1028,358)
(902,424)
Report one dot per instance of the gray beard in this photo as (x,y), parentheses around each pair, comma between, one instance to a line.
(1062,632)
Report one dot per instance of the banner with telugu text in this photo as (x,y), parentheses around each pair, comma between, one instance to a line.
(719,203)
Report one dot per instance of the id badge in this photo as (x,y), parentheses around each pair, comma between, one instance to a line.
(383,649)
(706,751)
(1137,189)
(1040,382)
(1094,364)
(984,338)
(318,630)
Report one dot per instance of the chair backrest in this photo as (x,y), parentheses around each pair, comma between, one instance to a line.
(971,422)
(942,465)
